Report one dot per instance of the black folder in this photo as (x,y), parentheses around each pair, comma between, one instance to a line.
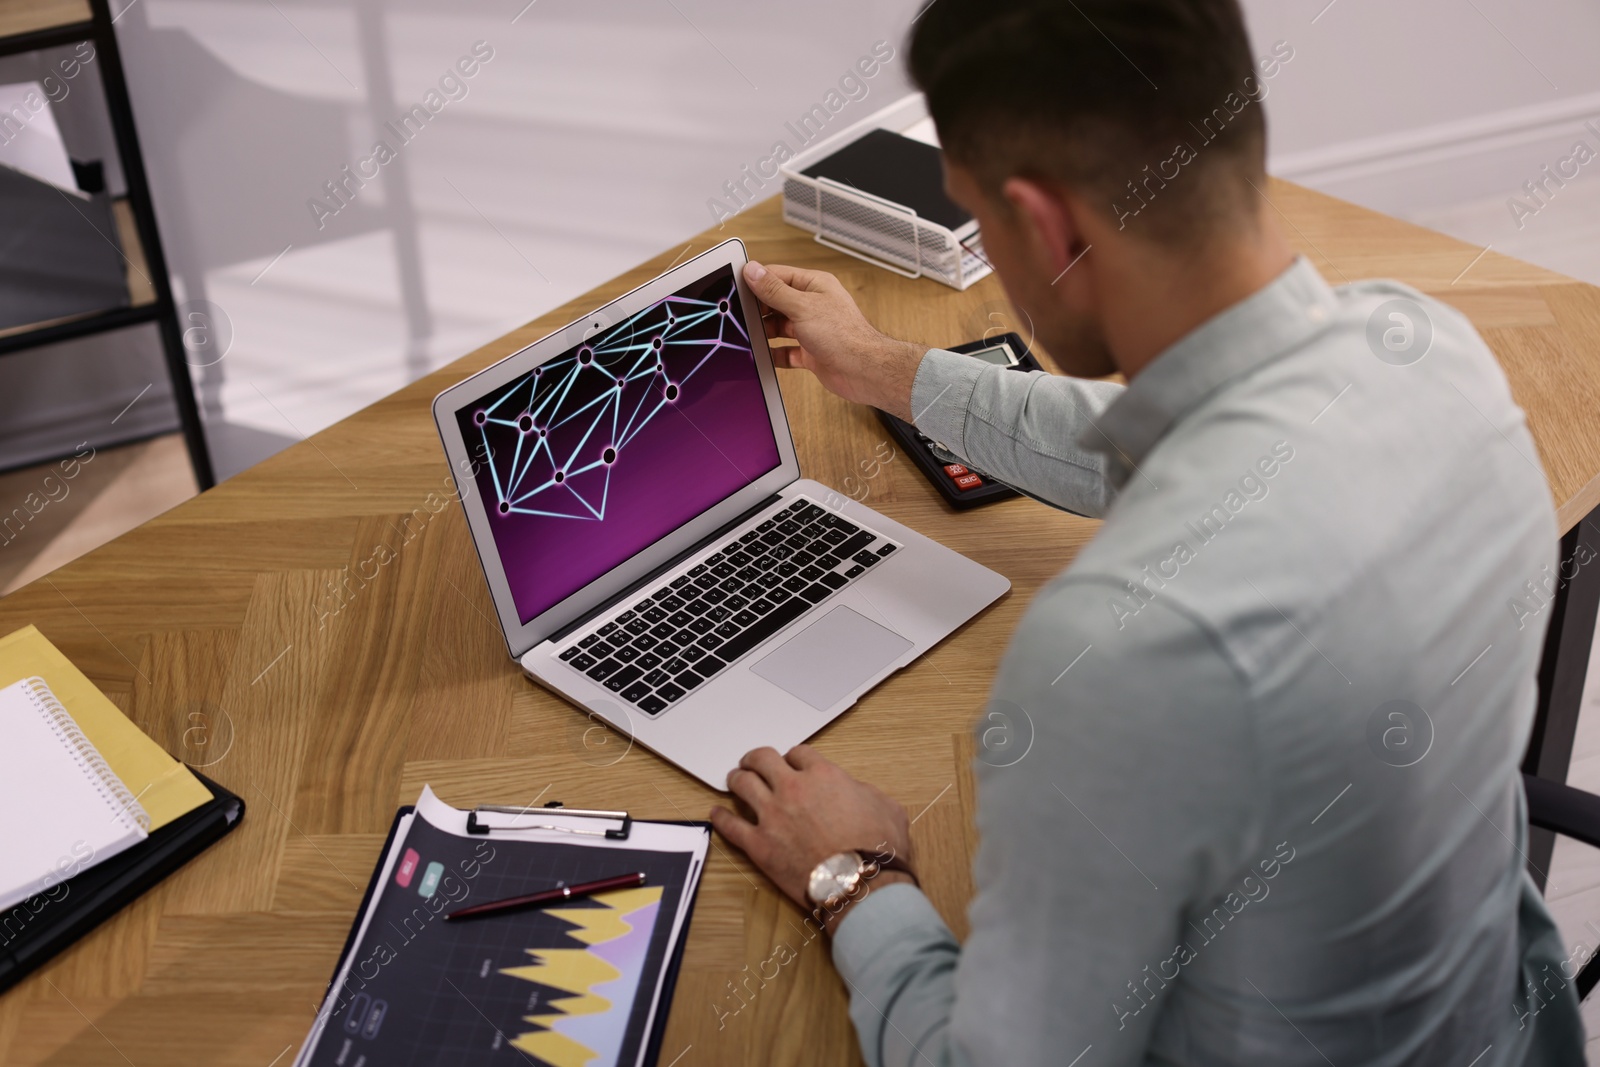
(895,168)
(36,930)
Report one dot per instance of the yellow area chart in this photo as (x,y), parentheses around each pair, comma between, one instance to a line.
(577,971)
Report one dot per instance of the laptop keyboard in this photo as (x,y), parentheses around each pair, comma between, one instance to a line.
(696,624)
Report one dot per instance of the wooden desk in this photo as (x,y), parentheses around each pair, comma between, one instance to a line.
(217,628)
(30,16)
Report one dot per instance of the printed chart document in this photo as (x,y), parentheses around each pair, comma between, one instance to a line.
(581,984)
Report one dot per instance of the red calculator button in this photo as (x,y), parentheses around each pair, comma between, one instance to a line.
(956,470)
(968,481)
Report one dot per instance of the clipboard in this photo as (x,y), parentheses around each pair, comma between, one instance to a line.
(477,826)
(616,833)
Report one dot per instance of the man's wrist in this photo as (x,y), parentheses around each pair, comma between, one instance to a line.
(898,362)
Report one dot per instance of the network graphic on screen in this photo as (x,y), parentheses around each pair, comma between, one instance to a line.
(553,436)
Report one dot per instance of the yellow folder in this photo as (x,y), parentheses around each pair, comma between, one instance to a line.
(163,786)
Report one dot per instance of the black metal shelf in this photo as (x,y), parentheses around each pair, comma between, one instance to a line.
(161,311)
(79,326)
(52,37)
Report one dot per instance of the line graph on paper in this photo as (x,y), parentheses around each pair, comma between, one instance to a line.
(594,980)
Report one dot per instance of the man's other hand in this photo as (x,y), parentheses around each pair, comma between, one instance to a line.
(835,341)
(806,809)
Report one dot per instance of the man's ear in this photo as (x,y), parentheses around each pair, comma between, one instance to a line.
(1046,221)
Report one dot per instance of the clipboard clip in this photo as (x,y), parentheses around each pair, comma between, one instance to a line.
(474,826)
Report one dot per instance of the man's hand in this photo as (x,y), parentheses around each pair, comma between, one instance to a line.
(836,342)
(806,809)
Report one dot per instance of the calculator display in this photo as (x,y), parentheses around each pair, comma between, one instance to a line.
(1000,355)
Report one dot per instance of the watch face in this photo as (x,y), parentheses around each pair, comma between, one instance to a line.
(834,876)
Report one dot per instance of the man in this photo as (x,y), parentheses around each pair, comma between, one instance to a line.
(1270,809)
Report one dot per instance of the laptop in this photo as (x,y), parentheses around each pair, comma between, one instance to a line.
(653,553)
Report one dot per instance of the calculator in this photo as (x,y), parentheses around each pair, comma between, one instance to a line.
(962,486)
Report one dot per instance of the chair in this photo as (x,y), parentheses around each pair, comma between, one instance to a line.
(1571,813)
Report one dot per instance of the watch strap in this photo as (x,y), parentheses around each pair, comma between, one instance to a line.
(892,863)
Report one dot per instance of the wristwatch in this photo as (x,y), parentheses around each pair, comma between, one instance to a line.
(837,877)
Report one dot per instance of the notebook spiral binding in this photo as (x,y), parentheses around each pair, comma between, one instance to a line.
(88,755)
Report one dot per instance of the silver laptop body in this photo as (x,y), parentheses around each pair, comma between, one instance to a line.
(653,554)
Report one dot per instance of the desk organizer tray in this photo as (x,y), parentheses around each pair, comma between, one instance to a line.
(871,228)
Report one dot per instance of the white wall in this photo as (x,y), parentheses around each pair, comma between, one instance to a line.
(594,137)
(1413,107)
(1366,68)
(590,140)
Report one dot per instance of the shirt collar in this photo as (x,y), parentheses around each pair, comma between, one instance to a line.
(1262,327)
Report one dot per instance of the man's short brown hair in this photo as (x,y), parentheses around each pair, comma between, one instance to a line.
(1149,107)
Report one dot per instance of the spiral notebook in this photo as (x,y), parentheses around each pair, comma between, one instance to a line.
(62,808)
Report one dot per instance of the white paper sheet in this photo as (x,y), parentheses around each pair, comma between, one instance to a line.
(62,809)
(30,140)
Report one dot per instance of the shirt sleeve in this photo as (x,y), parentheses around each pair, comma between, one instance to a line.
(1116,794)
(1021,428)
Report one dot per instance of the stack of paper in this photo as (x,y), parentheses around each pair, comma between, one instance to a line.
(62,810)
(164,787)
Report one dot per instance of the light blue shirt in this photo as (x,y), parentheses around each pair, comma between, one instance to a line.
(1248,789)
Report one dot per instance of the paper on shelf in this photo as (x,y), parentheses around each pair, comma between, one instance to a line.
(30,140)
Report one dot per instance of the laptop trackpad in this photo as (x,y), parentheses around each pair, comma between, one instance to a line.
(831,657)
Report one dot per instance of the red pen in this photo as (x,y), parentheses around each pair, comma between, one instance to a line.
(549,896)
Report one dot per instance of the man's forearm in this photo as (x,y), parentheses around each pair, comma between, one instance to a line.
(1021,428)
(899,960)
(895,366)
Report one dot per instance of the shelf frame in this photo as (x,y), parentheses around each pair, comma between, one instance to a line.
(162,311)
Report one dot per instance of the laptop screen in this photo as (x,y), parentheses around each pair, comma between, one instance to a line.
(593,456)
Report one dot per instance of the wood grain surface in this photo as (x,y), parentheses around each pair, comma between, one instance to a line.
(219,629)
(26,16)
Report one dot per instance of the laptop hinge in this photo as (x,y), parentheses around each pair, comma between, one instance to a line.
(649,579)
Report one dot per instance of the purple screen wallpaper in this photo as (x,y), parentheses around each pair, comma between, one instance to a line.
(601,452)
